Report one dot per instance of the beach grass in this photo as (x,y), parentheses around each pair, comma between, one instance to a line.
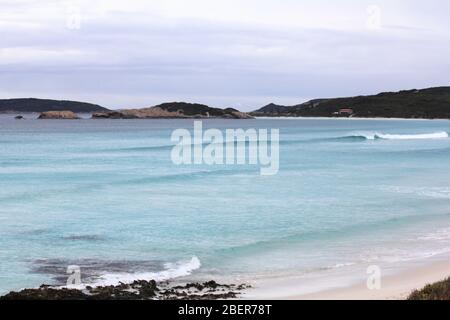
(437,291)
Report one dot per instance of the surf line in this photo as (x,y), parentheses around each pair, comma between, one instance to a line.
(212,147)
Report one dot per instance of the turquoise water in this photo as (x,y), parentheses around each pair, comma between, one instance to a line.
(104,195)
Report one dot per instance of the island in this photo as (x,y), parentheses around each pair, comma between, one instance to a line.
(174,110)
(64,109)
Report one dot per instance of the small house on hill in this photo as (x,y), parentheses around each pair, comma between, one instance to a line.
(345,112)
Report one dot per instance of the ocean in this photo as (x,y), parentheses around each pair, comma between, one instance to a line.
(104,195)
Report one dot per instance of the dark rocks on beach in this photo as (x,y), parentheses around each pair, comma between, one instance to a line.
(138,290)
(45,293)
(210,290)
(19,117)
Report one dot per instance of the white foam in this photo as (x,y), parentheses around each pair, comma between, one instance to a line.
(443,234)
(386,136)
(436,135)
(428,192)
(173,270)
(342,265)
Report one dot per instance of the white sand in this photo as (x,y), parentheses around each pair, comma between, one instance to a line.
(393,287)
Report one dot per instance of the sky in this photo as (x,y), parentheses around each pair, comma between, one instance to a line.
(225,53)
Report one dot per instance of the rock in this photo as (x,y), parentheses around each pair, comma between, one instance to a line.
(241,115)
(45,293)
(153,112)
(58,115)
(19,117)
(107,115)
(174,110)
(138,290)
(145,113)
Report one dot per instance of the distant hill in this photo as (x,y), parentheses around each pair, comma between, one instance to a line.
(426,103)
(274,108)
(42,105)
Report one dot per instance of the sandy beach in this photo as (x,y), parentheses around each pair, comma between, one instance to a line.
(395,286)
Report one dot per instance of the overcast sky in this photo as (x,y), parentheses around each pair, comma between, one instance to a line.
(225,53)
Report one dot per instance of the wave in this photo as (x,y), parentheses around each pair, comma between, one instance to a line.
(427,192)
(158,178)
(342,265)
(263,246)
(171,271)
(442,234)
(183,176)
(135,149)
(364,136)
(385,136)
(84,237)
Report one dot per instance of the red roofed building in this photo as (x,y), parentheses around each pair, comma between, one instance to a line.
(347,112)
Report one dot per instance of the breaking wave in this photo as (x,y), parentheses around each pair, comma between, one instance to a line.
(384,136)
(171,271)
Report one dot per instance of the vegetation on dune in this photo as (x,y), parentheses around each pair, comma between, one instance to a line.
(436,291)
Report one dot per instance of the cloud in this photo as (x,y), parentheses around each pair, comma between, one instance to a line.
(223,53)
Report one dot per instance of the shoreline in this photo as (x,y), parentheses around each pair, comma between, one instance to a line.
(397,285)
(136,290)
(254,118)
(351,118)
(394,285)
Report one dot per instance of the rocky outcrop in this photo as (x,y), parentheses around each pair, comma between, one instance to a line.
(145,113)
(239,115)
(58,115)
(138,290)
(173,110)
(108,115)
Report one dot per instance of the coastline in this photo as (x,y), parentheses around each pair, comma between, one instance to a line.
(87,116)
(436,192)
(397,286)
(136,290)
(394,286)
(350,118)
